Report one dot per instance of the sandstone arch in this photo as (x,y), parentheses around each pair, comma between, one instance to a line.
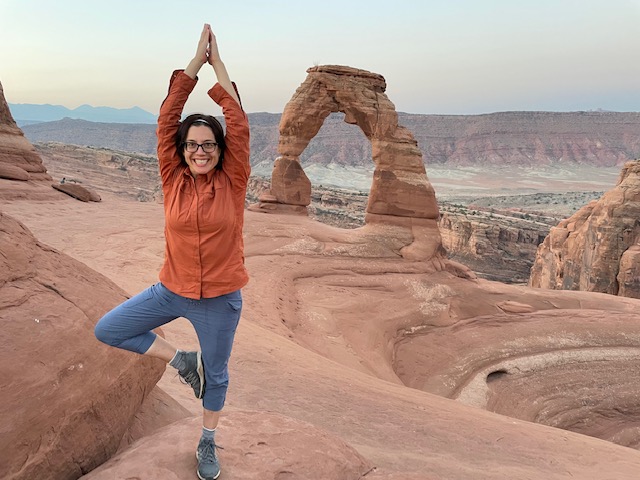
(400,195)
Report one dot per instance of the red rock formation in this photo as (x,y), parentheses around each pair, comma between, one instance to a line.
(596,249)
(15,149)
(335,328)
(400,195)
(629,273)
(256,445)
(67,400)
(83,194)
(495,247)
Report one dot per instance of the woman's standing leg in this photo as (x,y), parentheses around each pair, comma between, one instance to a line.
(215,321)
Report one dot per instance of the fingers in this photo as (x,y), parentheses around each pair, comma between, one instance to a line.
(204,36)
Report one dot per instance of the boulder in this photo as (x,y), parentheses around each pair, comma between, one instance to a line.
(74,190)
(67,399)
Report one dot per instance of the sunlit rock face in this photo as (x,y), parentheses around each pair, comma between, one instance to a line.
(596,249)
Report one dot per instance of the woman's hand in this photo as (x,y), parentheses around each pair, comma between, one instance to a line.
(202,53)
(213,53)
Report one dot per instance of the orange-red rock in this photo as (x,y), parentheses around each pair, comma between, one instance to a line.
(400,188)
(15,149)
(80,192)
(67,400)
(587,251)
(256,445)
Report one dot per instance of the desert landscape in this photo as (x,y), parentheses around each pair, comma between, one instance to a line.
(365,350)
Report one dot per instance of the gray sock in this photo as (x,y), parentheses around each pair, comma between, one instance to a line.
(209,434)
(177,360)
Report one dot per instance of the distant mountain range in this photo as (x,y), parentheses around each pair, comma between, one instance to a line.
(28,114)
(524,139)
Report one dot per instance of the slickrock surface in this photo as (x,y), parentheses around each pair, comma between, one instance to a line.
(348,337)
(588,251)
(255,445)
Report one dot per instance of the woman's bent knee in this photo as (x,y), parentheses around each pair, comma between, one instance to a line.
(102,333)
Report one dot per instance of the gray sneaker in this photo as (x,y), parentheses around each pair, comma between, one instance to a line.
(208,466)
(193,372)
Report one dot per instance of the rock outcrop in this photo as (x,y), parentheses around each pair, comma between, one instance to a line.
(496,247)
(596,249)
(400,195)
(15,150)
(256,445)
(67,400)
(79,192)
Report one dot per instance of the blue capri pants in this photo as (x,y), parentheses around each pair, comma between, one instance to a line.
(215,320)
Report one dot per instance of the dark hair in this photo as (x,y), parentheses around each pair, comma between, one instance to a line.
(200,119)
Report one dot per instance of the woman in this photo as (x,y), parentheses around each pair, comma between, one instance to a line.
(204,179)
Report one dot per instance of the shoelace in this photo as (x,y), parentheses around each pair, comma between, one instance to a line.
(190,378)
(207,452)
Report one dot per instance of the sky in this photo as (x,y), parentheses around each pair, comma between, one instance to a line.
(437,56)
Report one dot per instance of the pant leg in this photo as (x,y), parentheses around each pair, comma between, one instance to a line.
(129,325)
(215,321)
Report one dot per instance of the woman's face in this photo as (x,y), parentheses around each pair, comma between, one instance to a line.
(201,162)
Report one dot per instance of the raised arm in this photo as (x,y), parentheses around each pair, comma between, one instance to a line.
(181,85)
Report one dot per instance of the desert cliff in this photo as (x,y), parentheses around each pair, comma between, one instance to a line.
(596,249)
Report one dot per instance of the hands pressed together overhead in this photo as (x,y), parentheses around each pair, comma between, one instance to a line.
(207,51)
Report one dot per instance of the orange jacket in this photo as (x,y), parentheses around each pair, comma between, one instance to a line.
(204,253)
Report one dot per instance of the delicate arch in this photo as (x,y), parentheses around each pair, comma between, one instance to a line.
(400,192)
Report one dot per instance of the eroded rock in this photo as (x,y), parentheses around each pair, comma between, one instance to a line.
(400,190)
(67,400)
(15,149)
(80,192)
(587,251)
(256,445)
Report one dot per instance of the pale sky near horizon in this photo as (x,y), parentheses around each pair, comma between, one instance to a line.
(437,56)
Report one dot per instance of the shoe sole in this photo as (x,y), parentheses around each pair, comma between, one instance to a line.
(198,473)
(200,370)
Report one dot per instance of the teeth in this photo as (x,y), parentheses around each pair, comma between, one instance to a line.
(201,162)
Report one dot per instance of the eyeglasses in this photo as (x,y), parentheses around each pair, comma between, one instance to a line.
(192,147)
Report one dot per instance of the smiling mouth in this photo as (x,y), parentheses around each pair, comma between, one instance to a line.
(201,163)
